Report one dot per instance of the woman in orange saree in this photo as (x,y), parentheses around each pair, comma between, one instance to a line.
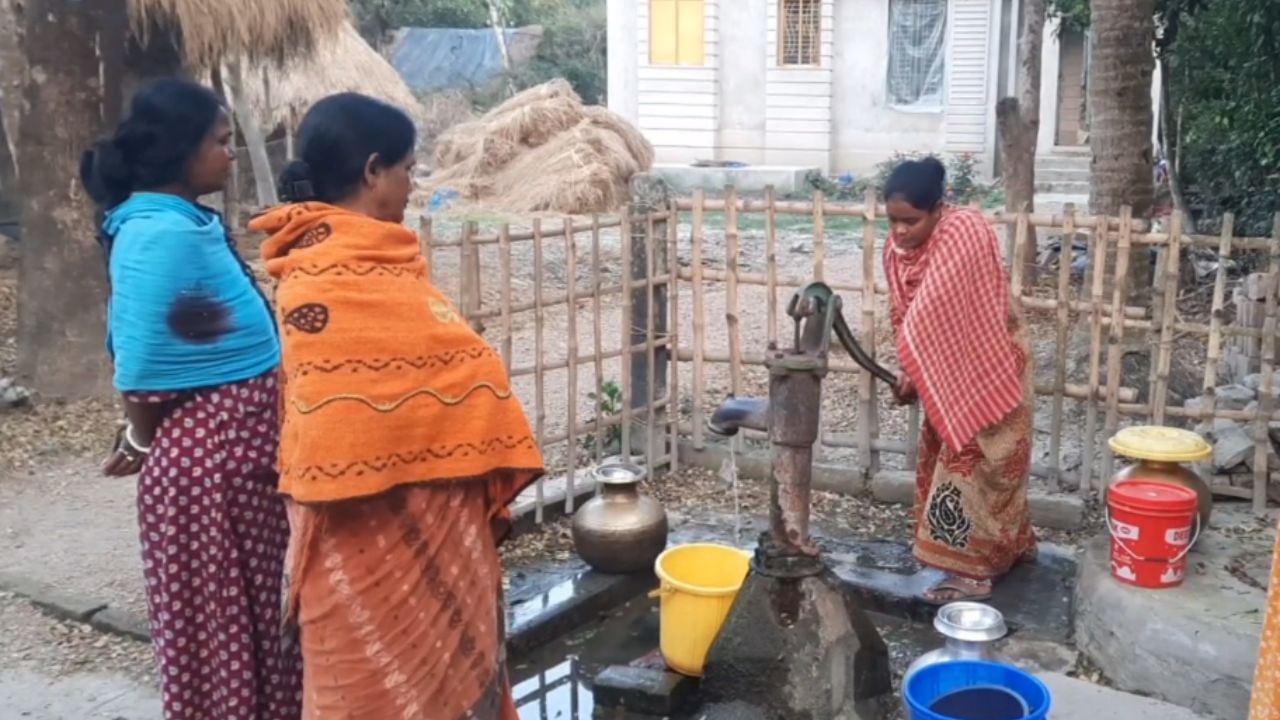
(402,442)
(1265,704)
(966,358)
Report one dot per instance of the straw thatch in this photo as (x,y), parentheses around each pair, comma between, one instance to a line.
(208,31)
(345,63)
(543,150)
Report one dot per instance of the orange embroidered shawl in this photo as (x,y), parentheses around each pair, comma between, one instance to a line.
(384,383)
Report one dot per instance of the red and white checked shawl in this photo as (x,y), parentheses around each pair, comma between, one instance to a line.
(949,301)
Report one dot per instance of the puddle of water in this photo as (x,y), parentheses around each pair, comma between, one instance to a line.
(554,681)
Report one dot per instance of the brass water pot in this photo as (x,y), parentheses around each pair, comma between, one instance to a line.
(620,530)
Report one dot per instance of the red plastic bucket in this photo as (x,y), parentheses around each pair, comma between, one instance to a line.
(1153,525)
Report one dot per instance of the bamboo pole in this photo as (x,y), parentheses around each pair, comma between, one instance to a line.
(673,336)
(504,266)
(626,332)
(1065,253)
(1018,258)
(1115,339)
(699,317)
(731,291)
(771,265)
(527,235)
(867,383)
(1164,357)
(1098,260)
(1267,400)
(597,332)
(424,242)
(650,349)
(465,287)
(571,333)
(539,379)
(819,238)
(1215,318)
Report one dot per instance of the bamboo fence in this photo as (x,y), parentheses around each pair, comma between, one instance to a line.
(1098,304)
(664,254)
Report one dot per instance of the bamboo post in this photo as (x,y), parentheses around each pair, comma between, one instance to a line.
(1164,357)
(731,289)
(424,243)
(1115,338)
(1215,318)
(696,238)
(1267,400)
(1018,259)
(649,197)
(651,244)
(771,263)
(465,286)
(1097,261)
(539,381)
(866,383)
(628,344)
(1065,256)
(597,331)
(673,332)
(819,237)
(504,266)
(571,353)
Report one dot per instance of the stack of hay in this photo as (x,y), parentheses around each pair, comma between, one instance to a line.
(542,151)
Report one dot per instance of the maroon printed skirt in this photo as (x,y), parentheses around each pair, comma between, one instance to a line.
(214,533)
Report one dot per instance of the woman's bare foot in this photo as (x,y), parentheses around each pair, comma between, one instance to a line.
(955,588)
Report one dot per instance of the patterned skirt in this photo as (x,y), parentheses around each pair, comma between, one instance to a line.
(398,598)
(214,533)
(971,508)
(1265,703)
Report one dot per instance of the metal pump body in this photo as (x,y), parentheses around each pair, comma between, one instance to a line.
(797,644)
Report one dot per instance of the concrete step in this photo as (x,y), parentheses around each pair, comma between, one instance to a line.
(1063,188)
(1048,175)
(1079,700)
(1057,202)
(1059,162)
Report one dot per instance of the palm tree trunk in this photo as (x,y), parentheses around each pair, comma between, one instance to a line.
(1019,123)
(61,283)
(1121,70)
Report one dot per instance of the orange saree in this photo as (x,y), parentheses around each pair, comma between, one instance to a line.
(401,446)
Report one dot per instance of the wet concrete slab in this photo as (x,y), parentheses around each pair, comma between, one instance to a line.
(1036,598)
(540,613)
(89,696)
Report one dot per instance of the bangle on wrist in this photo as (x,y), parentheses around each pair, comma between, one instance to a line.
(133,442)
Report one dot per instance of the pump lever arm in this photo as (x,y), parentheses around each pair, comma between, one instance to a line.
(850,343)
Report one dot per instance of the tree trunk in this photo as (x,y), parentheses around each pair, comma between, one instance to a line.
(62,284)
(1121,70)
(1019,123)
(12,69)
(254,141)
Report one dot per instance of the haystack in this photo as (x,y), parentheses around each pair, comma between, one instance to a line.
(543,151)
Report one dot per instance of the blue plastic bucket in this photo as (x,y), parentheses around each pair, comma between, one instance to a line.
(981,687)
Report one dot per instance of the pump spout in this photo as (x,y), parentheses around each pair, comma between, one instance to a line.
(737,413)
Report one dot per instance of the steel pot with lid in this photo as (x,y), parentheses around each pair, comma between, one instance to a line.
(1162,454)
(970,629)
(620,530)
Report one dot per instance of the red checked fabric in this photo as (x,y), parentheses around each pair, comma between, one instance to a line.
(950,306)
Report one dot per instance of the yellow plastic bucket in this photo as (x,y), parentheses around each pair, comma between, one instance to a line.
(699,584)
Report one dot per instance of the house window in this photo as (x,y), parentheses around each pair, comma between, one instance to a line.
(676,32)
(799,32)
(917,49)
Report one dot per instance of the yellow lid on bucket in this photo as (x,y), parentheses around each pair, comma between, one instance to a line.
(1161,444)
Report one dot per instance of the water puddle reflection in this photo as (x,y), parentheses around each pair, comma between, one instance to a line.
(558,693)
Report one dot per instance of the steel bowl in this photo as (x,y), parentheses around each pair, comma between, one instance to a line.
(619,473)
(970,622)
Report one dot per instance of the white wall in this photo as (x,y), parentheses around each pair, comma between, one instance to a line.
(679,105)
(867,128)
(798,99)
(623,61)
(743,26)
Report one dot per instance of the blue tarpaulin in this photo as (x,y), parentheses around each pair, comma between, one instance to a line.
(434,59)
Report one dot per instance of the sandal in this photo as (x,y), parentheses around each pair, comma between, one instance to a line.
(955,588)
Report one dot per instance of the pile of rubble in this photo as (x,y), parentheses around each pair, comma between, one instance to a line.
(1233,440)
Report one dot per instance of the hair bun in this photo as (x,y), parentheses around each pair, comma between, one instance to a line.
(295,183)
(935,167)
(106,173)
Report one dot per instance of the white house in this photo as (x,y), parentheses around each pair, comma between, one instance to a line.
(834,84)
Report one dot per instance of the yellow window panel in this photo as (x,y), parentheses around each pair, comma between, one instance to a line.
(692,44)
(663,32)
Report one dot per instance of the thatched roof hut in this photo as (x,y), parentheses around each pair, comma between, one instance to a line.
(209,31)
(343,63)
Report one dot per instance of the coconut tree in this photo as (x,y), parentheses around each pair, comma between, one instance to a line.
(83,59)
(1122,64)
